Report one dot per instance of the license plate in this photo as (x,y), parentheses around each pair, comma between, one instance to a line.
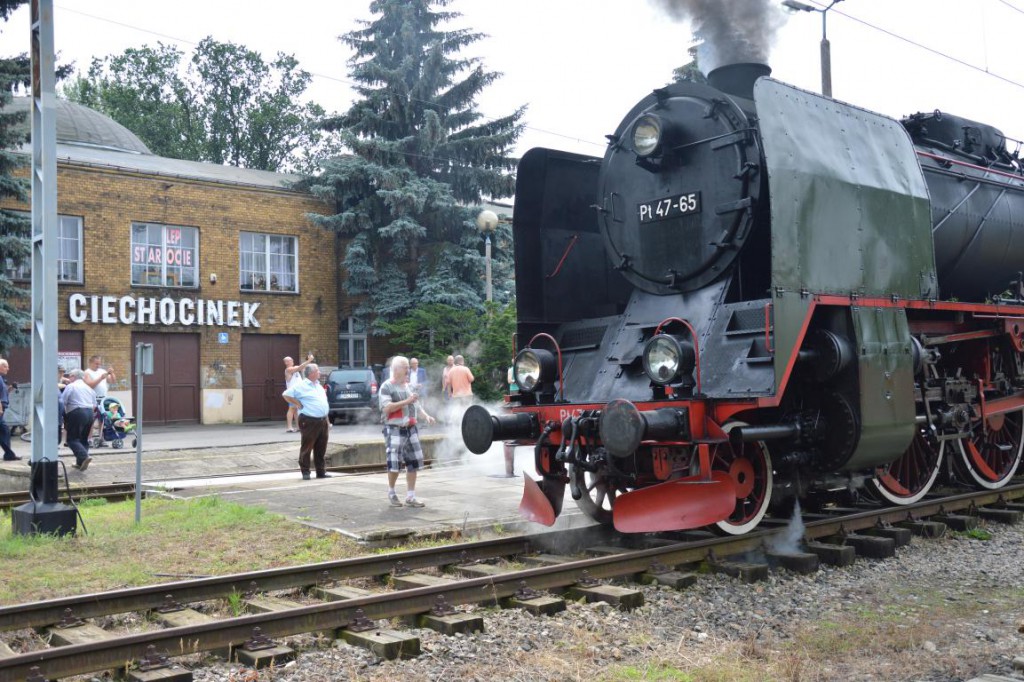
(348,396)
(669,207)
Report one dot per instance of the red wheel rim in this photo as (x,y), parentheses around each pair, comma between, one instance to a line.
(910,477)
(753,483)
(990,456)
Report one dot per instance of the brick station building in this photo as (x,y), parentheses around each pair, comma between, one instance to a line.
(218,267)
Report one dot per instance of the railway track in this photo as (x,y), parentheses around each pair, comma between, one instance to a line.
(112,492)
(427,579)
(115,492)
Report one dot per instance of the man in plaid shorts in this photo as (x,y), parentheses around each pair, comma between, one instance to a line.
(399,405)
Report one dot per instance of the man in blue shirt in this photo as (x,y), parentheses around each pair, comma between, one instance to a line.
(310,399)
(5,401)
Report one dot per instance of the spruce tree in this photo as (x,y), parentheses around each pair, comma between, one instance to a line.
(421,155)
(14,227)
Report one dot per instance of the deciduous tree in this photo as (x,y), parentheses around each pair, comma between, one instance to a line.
(433,331)
(228,105)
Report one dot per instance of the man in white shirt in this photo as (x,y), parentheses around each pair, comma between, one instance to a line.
(79,399)
(98,377)
(417,377)
(309,398)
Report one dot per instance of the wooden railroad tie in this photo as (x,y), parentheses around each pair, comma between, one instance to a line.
(534,602)
(386,643)
(957,522)
(925,529)
(832,554)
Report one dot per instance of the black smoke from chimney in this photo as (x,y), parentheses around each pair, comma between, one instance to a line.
(733,31)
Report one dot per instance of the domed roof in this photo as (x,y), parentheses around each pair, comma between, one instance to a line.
(80,125)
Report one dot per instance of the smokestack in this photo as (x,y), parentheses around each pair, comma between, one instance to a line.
(738,79)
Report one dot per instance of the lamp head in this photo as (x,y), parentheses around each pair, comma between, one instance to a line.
(486,221)
(798,6)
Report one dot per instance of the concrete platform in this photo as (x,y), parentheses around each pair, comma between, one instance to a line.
(258,464)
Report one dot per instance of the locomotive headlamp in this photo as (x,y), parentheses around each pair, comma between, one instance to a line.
(534,368)
(668,358)
(647,134)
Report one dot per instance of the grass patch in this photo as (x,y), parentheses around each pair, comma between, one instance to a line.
(975,534)
(654,672)
(176,539)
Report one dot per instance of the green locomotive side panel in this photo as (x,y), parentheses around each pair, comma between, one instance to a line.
(850,210)
(789,310)
(885,363)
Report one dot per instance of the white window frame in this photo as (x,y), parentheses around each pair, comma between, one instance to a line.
(261,282)
(347,339)
(22,272)
(163,249)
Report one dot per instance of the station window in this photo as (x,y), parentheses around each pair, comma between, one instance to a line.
(69,253)
(352,343)
(268,262)
(165,255)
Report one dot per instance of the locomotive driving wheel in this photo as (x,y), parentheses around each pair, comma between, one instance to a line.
(910,477)
(751,470)
(598,493)
(989,457)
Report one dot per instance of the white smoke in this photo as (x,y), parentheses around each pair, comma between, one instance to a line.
(789,538)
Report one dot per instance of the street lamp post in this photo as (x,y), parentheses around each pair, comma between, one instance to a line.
(826,48)
(487,221)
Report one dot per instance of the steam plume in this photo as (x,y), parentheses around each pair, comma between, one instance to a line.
(733,31)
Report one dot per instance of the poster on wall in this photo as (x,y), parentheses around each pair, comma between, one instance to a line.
(69,360)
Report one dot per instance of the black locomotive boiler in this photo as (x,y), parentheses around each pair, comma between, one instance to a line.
(761,294)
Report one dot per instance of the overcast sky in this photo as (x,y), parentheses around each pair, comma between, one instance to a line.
(580,65)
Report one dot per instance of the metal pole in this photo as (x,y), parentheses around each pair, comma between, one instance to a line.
(44,514)
(487,255)
(826,52)
(138,432)
(826,66)
(44,236)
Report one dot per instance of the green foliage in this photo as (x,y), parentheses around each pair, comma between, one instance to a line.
(434,331)
(14,228)
(228,106)
(690,72)
(236,603)
(976,534)
(659,672)
(420,154)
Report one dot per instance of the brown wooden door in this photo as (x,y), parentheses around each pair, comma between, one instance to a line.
(263,374)
(20,358)
(171,393)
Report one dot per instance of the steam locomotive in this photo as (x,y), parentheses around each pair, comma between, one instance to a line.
(761,295)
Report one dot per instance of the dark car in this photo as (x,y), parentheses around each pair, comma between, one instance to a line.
(352,394)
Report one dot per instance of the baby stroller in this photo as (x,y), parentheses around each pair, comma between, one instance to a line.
(115,433)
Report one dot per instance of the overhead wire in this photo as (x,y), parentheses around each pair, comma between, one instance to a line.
(921,46)
(1013,7)
(818,3)
(323,76)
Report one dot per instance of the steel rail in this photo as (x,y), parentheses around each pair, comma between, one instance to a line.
(119,491)
(38,614)
(82,658)
(111,491)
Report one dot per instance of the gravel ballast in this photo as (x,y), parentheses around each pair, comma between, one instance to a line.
(941,610)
